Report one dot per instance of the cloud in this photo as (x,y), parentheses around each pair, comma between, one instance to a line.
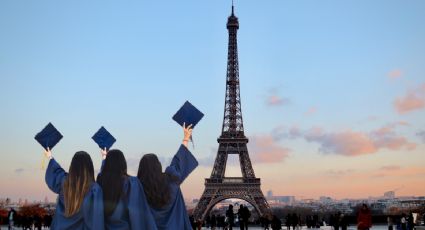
(275,100)
(390,168)
(421,134)
(337,173)
(264,149)
(19,170)
(394,74)
(413,100)
(350,142)
(311,111)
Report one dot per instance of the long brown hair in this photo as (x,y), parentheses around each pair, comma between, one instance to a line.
(78,182)
(111,180)
(155,182)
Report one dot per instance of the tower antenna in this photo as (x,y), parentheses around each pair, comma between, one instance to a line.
(232,8)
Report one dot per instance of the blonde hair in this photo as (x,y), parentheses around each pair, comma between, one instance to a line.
(78,182)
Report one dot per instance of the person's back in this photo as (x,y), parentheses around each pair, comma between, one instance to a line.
(230,216)
(125,202)
(213,222)
(276,223)
(162,189)
(173,214)
(80,201)
(364,218)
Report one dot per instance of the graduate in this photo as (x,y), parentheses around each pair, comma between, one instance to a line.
(80,201)
(124,200)
(163,189)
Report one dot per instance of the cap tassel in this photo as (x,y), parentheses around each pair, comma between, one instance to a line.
(191,140)
(43,162)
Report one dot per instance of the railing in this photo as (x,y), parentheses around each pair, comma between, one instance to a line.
(233,180)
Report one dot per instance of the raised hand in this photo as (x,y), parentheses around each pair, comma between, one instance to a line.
(103,152)
(48,153)
(187,132)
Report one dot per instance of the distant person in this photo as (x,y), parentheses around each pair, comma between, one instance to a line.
(246,214)
(199,224)
(332,221)
(343,222)
(213,222)
(390,223)
(294,220)
(47,220)
(80,201)
(240,216)
(11,216)
(336,221)
(410,221)
(403,222)
(207,221)
(243,214)
(192,222)
(288,221)
(221,221)
(364,218)
(316,223)
(276,223)
(265,221)
(230,217)
(125,204)
(162,189)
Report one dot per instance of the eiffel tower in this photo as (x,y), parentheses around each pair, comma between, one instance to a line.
(232,141)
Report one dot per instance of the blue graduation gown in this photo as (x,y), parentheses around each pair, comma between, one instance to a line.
(174,215)
(132,211)
(90,215)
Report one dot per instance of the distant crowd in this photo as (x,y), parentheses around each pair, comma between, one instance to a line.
(26,221)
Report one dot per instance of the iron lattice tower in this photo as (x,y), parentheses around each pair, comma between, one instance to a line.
(232,141)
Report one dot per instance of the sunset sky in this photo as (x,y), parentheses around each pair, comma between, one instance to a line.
(333,92)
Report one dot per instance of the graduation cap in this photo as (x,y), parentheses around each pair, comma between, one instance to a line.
(103,138)
(48,137)
(188,114)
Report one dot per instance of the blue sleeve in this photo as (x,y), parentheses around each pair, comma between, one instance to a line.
(55,175)
(138,209)
(183,164)
(94,216)
(101,167)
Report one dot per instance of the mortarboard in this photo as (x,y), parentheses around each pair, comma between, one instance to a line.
(188,114)
(48,137)
(103,138)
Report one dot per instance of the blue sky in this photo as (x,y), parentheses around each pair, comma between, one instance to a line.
(335,66)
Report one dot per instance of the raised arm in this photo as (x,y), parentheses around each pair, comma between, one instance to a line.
(183,162)
(55,174)
(103,152)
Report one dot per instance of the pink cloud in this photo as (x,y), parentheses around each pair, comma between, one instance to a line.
(350,142)
(390,168)
(275,100)
(394,74)
(338,173)
(311,111)
(264,149)
(411,101)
